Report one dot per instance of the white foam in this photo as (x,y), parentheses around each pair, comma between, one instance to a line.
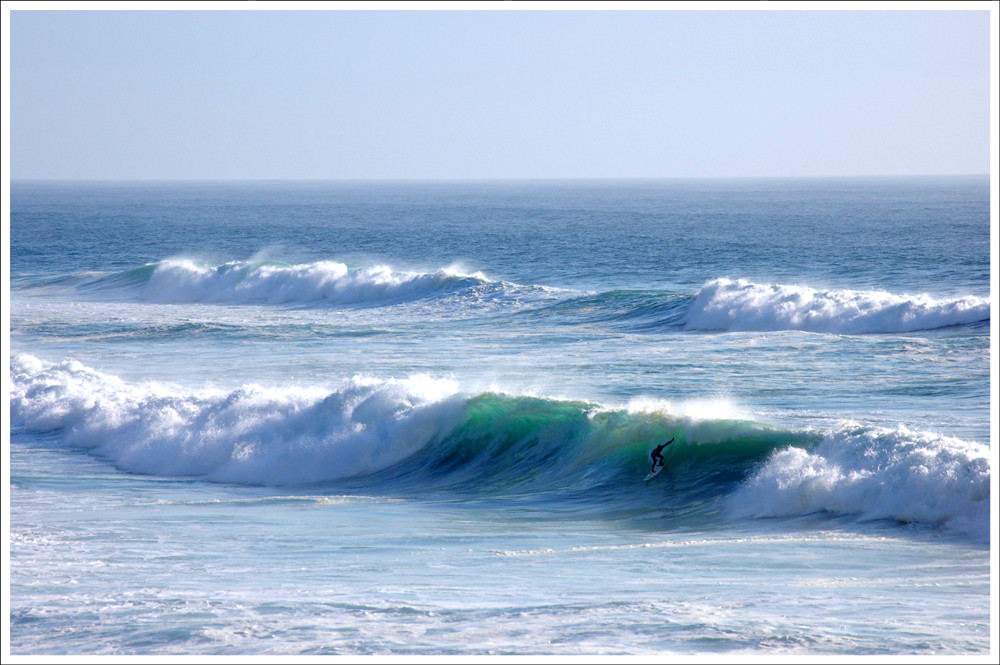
(254,435)
(715,543)
(876,473)
(186,281)
(740,305)
(694,410)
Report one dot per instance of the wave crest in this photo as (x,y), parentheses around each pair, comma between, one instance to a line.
(251,435)
(740,305)
(186,281)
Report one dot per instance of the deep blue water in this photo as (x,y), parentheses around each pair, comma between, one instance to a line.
(890,233)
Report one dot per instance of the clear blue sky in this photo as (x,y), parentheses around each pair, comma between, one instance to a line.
(497,94)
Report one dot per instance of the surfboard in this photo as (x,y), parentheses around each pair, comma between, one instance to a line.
(655,471)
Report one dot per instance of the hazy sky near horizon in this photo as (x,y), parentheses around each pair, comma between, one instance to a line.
(293,94)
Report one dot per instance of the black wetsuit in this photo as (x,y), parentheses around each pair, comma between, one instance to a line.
(657,454)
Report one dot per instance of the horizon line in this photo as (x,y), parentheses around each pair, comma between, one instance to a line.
(495,179)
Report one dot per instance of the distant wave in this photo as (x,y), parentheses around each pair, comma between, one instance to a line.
(317,284)
(633,310)
(186,281)
(740,305)
(421,433)
(721,304)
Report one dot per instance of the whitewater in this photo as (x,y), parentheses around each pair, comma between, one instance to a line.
(416,418)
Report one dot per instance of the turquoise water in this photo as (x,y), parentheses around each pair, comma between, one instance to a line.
(416,418)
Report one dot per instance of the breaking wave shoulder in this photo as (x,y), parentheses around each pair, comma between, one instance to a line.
(740,305)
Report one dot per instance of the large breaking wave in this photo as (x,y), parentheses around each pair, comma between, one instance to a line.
(422,434)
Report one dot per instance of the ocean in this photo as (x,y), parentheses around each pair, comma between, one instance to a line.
(416,418)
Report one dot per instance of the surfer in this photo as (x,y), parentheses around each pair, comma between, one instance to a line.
(657,455)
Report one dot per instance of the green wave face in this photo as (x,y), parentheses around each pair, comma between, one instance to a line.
(529,446)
